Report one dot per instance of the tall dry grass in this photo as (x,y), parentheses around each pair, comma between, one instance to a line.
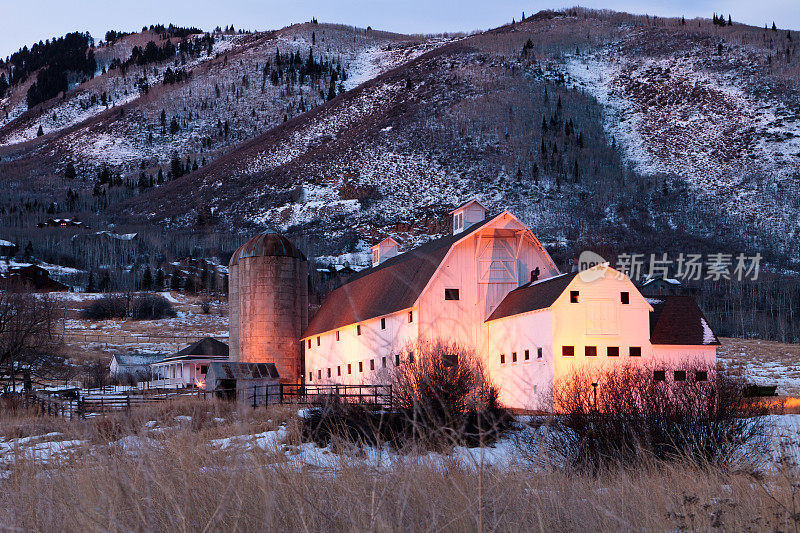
(174,480)
(184,487)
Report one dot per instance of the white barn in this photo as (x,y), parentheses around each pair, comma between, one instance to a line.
(493,287)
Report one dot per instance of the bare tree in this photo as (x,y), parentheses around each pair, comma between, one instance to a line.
(26,330)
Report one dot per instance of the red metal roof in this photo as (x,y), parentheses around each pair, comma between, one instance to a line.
(392,286)
(679,320)
(533,296)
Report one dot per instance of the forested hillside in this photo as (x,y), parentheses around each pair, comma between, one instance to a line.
(602,130)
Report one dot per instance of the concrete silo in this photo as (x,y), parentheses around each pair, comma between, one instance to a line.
(268,300)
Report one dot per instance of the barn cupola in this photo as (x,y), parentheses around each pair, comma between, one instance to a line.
(384,250)
(467,214)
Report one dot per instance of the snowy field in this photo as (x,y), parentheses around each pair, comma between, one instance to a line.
(517,449)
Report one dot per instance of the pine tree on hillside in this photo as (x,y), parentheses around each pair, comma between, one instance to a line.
(774,27)
(40,131)
(90,286)
(147,279)
(159,284)
(69,171)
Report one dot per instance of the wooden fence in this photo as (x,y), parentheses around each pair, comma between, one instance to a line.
(82,403)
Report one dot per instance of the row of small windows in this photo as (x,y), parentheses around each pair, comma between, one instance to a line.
(526,356)
(624,297)
(591,351)
(349,366)
(679,375)
(358,327)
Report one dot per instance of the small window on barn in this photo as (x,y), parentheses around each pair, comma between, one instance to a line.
(411,357)
(538,353)
(397,360)
(502,358)
(372,364)
(635,351)
(573,296)
(451,294)
(310,376)
(513,357)
(349,368)
(204,369)
(612,351)
(358,329)
(383,362)
(338,370)
(337,335)
(567,351)
(374,256)
(590,351)
(625,298)
(701,375)
(527,354)
(361,366)
(309,343)
(329,371)
(319,374)
(317,340)
(659,375)
(679,375)
(383,323)
(411,316)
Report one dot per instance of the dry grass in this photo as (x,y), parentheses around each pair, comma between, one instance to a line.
(178,482)
(763,362)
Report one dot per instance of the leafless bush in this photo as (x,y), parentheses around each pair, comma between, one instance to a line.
(139,307)
(623,415)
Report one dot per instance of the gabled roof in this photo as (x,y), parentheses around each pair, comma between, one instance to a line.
(469,202)
(387,240)
(678,320)
(137,359)
(533,296)
(391,286)
(204,347)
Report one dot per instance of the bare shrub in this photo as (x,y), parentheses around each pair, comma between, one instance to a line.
(622,415)
(151,307)
(140,307)
(442,397)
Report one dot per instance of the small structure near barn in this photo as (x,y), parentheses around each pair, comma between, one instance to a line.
(35,278)
(188,367)
(132,368)
(249,383)
(7,248)
(660,286)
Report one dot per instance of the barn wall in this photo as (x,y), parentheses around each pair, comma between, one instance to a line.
(374,343)
(524,384)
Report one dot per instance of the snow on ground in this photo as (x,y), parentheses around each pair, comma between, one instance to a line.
(763,363)
(676,116)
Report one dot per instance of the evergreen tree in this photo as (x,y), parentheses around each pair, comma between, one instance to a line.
(40,131)
(190,286)
(105,282)
(774,27)
(147,279)
(175,281)
(174,127)
(69,172)
(90,286)
(159,279)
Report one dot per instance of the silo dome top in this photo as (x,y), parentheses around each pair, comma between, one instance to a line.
(267,245)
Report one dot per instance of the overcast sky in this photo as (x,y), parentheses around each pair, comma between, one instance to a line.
(28,22)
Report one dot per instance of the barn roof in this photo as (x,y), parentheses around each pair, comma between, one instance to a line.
(679,320)
(208,347)
(533,296)
(392,286)
(242,371)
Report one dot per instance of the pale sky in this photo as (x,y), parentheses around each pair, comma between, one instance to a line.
(23,23)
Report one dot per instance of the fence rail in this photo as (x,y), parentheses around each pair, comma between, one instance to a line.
(77,337)
(82,403)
